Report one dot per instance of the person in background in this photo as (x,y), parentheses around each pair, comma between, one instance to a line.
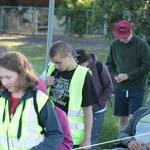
(136,134)
(67,142)
(19,125)
(71,88)
(104,89)
(128,62)
(3,50)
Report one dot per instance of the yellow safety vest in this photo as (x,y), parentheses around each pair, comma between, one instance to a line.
(75,111)
(30,129)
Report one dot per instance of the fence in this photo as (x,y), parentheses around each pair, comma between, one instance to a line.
(34,20)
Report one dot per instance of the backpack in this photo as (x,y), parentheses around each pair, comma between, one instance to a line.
(99,67)
(34,92)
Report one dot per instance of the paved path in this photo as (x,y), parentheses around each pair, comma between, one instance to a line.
(81,42)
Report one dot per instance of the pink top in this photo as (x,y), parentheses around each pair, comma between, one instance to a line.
(67,143)
(42,87)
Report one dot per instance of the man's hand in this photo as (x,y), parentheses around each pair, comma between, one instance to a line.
(121,77)
(85,142)
(88,121)
(50,81)
(135,145)
(148,146)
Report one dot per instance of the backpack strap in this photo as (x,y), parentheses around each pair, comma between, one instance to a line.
(99,67)
(34,93)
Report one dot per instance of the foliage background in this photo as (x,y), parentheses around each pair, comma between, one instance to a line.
(106,13)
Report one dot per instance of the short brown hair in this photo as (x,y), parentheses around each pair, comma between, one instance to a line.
(61,48)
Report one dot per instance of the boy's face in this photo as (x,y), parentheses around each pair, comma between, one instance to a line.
(61,64)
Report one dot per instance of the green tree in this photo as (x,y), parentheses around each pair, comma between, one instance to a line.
(75,13)
(112,11)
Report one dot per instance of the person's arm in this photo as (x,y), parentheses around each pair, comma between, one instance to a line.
(144,58)
(139,72)
(129,130)
(88,121)
(108,86)
(42,86)
(54,135)
(111,64)
(89,98)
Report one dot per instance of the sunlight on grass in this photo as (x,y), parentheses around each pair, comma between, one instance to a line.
(12,44)
(35,53)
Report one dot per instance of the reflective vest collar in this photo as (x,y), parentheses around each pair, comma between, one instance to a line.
(30,133)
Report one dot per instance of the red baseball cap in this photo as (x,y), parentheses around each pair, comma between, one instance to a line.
(123,30)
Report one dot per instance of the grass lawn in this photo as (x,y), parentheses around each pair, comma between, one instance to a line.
(34,52)
(36,55)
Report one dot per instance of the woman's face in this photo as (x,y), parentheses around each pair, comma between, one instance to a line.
(9,79)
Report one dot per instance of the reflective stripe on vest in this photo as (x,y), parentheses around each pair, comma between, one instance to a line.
(77,126)
(21,143)
(31,131)
(75,111)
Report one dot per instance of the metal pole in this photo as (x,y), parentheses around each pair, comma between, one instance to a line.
(1,18)
(50,29)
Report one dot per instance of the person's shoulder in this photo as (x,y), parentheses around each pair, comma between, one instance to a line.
(143,110)
(82,69)
(41,81)
(103,64)
(139,39)
(59,111)
(115,40)
(4,93)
